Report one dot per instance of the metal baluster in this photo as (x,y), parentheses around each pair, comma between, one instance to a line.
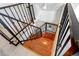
(8,24)
(33,13)
(26,13)
(11,21)
(6,37)
(9,31)
(19,19)
(64,45)
(17,22)
(64,34)
(26,21)
(23,12)
(30,12)
(21,15)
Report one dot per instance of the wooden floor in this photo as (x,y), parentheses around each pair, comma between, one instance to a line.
(72,50)
(42,45)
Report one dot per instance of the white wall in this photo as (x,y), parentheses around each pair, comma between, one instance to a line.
(76,9)
(51,14)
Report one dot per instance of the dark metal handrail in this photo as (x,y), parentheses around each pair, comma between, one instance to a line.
(46,26)
(13,18)
(11,5)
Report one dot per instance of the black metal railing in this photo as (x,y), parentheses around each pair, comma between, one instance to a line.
(66,31)
(49,27)
(16,21)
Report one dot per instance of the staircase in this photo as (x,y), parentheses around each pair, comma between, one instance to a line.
(20,30)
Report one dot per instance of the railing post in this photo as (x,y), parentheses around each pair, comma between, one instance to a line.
(45,27)
(29,7)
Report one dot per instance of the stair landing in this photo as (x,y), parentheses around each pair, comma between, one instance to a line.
(42,45)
